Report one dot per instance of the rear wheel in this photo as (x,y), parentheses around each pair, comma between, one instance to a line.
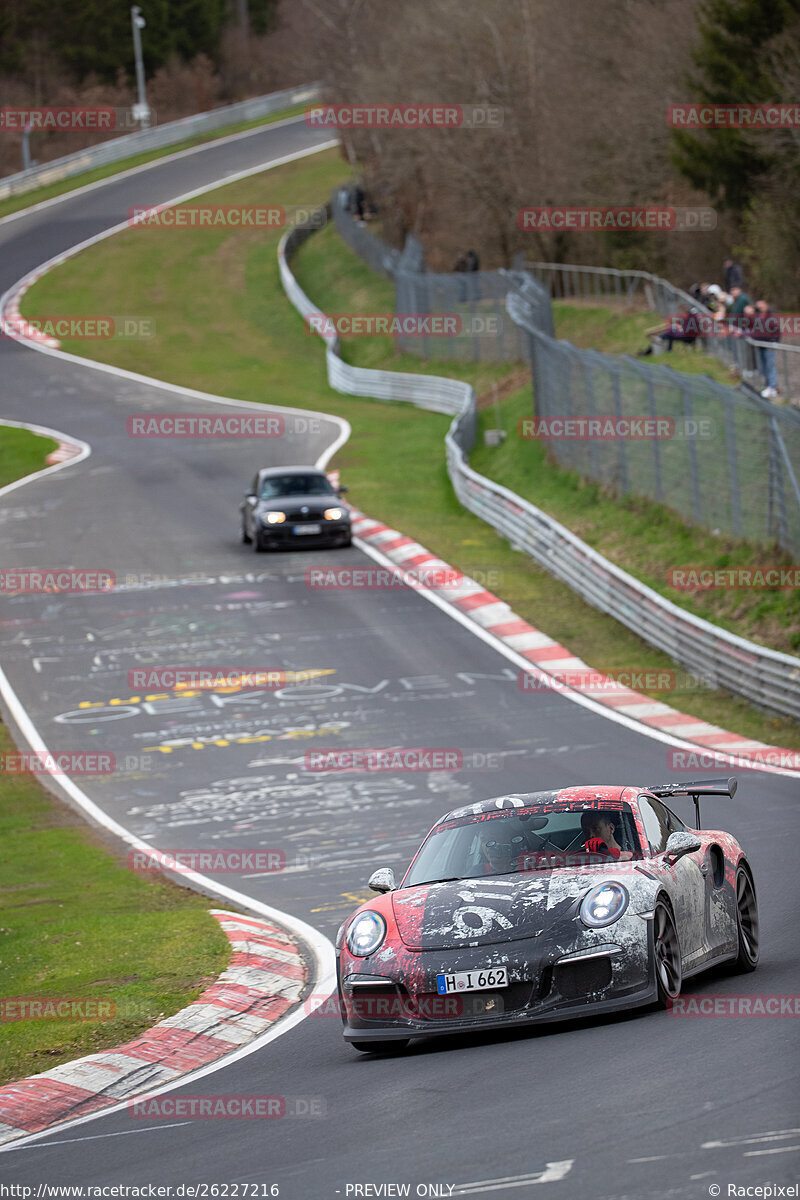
(746,922)
(667,949)
(380,1047)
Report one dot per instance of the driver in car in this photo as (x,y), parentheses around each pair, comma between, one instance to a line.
(501,857)
(599,830)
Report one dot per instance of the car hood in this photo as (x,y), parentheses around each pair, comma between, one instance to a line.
(478,912)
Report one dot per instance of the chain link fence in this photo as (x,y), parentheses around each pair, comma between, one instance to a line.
(717,456)
(564,281)
(481,329)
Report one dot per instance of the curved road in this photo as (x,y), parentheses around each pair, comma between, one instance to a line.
(641,1106)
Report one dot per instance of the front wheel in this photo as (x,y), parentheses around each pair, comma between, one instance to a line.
(245,535)
(746,922)
(258,545)
(380,1047)
(667,949)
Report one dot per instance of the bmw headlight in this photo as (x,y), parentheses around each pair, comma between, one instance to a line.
(604,905)
(333,514)
(366,934)
(273,518)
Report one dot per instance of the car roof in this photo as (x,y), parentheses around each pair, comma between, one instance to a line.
(265,472)
(580,792)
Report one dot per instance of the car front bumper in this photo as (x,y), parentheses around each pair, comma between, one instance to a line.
(599,977)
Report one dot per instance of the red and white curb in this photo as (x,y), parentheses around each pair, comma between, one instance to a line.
(265,977)
(550,659)
(12,321)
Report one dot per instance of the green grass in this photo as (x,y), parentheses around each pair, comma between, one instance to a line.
(225,326)
(77,923)
(22,452)
(13,204)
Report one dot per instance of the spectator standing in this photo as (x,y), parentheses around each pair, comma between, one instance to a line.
(767,329)
(734,276)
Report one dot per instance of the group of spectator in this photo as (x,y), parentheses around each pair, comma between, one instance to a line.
(736,316)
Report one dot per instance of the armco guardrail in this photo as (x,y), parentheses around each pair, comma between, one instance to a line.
(153,139)
(768,678)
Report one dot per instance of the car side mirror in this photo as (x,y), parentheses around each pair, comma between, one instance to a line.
(382,880)
(249,495)
(679,844)
(341,491)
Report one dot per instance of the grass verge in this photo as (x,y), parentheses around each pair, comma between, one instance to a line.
(13,204)
(77,923)
(225,326)
(22,452)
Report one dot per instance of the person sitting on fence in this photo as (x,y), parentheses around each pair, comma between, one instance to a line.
(679,328)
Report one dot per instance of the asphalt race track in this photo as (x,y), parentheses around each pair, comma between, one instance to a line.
(641,1106)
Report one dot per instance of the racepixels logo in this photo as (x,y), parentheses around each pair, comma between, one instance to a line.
(612,429)
(80,329)
(57,1008)
(587,680)
(705,579)
(225,216)
(68,120)
(619,218)
(26,580)
(733,116)
(228,861)
(227,1107)
(378,578)
(404,116)
(761,1005)
(417,758)
(422,325)
(197,425)
(710,760)
(73,762)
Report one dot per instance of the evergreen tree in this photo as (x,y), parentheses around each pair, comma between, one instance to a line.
(734,65)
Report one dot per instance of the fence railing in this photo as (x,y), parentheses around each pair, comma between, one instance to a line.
(767,678)
(476,300)
(566,281)
(143,140)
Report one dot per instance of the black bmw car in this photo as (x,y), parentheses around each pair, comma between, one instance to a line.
(294,506)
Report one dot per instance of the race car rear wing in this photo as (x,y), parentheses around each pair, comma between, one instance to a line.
(696,789)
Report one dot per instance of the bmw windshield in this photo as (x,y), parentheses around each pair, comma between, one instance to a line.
(295,485)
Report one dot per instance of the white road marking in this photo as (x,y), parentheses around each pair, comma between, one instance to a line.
(93,1137)
(771,1135)
(774,1150)
(652,1158)
(552,1173)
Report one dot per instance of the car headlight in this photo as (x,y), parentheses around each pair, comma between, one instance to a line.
(273,518)
(604,905)
(333,514)
(366,934)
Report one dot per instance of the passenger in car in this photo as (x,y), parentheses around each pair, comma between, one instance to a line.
(598,829)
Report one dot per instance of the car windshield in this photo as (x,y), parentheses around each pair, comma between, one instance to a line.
(541,837)
(295,485)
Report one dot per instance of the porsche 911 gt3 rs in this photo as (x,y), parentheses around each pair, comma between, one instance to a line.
(545,906)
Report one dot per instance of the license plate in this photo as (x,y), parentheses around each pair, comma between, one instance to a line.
(308,528)
(472,981)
